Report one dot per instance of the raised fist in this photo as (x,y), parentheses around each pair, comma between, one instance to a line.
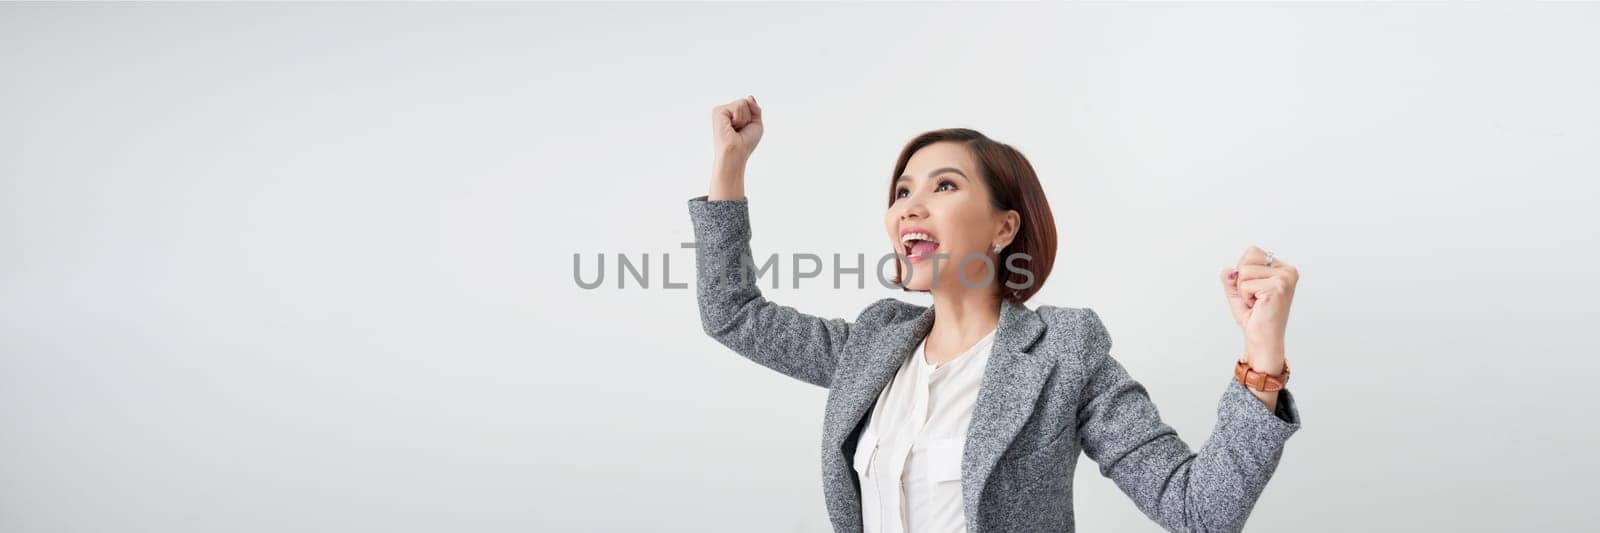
(736,128)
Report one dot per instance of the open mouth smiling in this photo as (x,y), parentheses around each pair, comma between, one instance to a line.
(917,243)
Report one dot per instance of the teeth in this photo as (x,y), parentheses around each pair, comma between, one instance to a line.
(908,238)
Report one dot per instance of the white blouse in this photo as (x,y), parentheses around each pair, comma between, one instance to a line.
(909,455)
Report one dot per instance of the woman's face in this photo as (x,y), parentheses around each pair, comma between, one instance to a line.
(942,195)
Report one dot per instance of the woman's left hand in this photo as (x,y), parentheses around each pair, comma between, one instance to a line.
(1259,297)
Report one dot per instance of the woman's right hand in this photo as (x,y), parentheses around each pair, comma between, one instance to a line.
(736,128)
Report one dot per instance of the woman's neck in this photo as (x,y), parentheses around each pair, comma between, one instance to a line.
(959,321)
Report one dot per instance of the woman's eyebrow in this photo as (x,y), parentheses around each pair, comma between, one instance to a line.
(936,172)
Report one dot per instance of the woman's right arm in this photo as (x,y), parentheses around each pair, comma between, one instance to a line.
(732,309)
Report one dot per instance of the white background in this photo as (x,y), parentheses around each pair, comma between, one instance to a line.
(310,268)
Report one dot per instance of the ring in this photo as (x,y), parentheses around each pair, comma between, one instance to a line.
(1269,258)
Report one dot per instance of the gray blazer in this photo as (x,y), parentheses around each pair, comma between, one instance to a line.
(1050,389)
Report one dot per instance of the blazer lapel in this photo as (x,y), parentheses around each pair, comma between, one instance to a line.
(859,390)
(853,393)
(1011,385)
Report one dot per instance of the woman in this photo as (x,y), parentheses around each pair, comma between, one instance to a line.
(968,415)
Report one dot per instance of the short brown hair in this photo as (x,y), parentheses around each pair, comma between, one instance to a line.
(1012,184)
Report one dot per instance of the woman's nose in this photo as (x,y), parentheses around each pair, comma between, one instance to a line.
(912,207)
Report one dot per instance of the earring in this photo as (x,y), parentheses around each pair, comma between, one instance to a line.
(997,248)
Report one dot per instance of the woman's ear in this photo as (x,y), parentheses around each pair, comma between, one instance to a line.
(1010,224)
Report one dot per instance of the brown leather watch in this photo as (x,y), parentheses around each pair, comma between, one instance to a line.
(1254,380)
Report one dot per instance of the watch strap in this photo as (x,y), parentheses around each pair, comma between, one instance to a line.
(1258,381)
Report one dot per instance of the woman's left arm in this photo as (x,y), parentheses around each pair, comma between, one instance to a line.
(1216,488)
(1181,490)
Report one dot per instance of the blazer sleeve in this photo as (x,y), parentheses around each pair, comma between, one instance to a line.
(733,311)
(1181,490)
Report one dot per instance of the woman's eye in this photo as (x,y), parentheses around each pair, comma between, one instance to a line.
(898,193)
(943,183)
